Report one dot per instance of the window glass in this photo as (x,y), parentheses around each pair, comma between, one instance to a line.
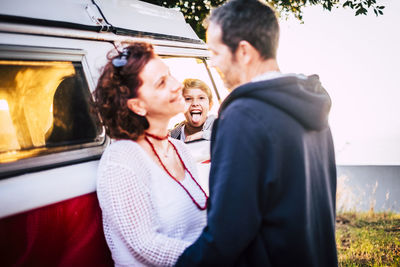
(44,108)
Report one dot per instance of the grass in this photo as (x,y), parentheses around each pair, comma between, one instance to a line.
(368,239)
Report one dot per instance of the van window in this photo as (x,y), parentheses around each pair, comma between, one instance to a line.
(44,108)
(195,68)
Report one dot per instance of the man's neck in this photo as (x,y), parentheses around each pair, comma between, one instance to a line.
(260,67)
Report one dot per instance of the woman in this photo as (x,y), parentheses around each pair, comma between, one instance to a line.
(152,205)
(198,100)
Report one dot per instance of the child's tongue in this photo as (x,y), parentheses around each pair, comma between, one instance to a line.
(196,118)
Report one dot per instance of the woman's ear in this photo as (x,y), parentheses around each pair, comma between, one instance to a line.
(136,106)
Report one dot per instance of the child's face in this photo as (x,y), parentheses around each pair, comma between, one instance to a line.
(197,106)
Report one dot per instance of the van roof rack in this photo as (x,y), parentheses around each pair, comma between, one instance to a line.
(122,17)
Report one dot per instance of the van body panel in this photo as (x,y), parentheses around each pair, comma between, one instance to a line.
(49,213)
(147,19)
(73,14)
(46,187)
(131,17)
(67,233)
(95,60)
(89,35)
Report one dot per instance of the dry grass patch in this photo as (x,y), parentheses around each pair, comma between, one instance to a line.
(368,239)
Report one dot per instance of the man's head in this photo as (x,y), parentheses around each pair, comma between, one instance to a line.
(239,32)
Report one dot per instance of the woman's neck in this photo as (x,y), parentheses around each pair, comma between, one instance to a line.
(189,129)
(159,128)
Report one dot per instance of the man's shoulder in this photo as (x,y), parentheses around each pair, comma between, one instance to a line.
(243,117)
(245,107)
(256,115)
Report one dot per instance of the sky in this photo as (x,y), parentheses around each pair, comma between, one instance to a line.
(357,59)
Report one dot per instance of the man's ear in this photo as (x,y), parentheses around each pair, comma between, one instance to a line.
(245,52)
(137,106)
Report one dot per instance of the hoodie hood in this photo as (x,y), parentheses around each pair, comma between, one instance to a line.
(301,97)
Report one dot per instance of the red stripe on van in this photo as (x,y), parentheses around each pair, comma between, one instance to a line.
(68,233)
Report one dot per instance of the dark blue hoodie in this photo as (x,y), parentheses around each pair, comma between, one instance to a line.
(272,179)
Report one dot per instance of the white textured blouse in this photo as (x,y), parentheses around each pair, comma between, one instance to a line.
(148,219)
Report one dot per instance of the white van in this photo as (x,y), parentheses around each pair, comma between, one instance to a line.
(51,55)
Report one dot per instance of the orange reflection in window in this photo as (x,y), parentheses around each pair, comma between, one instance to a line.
(26,97)
(8,136)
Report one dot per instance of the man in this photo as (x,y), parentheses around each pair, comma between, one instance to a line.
(273,174)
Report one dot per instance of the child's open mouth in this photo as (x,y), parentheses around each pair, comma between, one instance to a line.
(196,116)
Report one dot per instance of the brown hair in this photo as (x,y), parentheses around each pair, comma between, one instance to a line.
(116,85)
(252,21)
(199,84)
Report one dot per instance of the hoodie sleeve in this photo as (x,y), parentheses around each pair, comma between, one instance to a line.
(234,215)
(207,127)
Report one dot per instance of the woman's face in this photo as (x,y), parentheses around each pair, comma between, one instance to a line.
(197,106)
(160,94)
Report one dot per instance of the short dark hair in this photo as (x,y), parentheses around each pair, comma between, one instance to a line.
(116,85)
(251,21)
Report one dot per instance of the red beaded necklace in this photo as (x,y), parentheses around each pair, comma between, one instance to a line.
(184,166)
(156,136)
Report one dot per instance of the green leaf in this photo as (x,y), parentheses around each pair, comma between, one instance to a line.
(361,11)
(349,4)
